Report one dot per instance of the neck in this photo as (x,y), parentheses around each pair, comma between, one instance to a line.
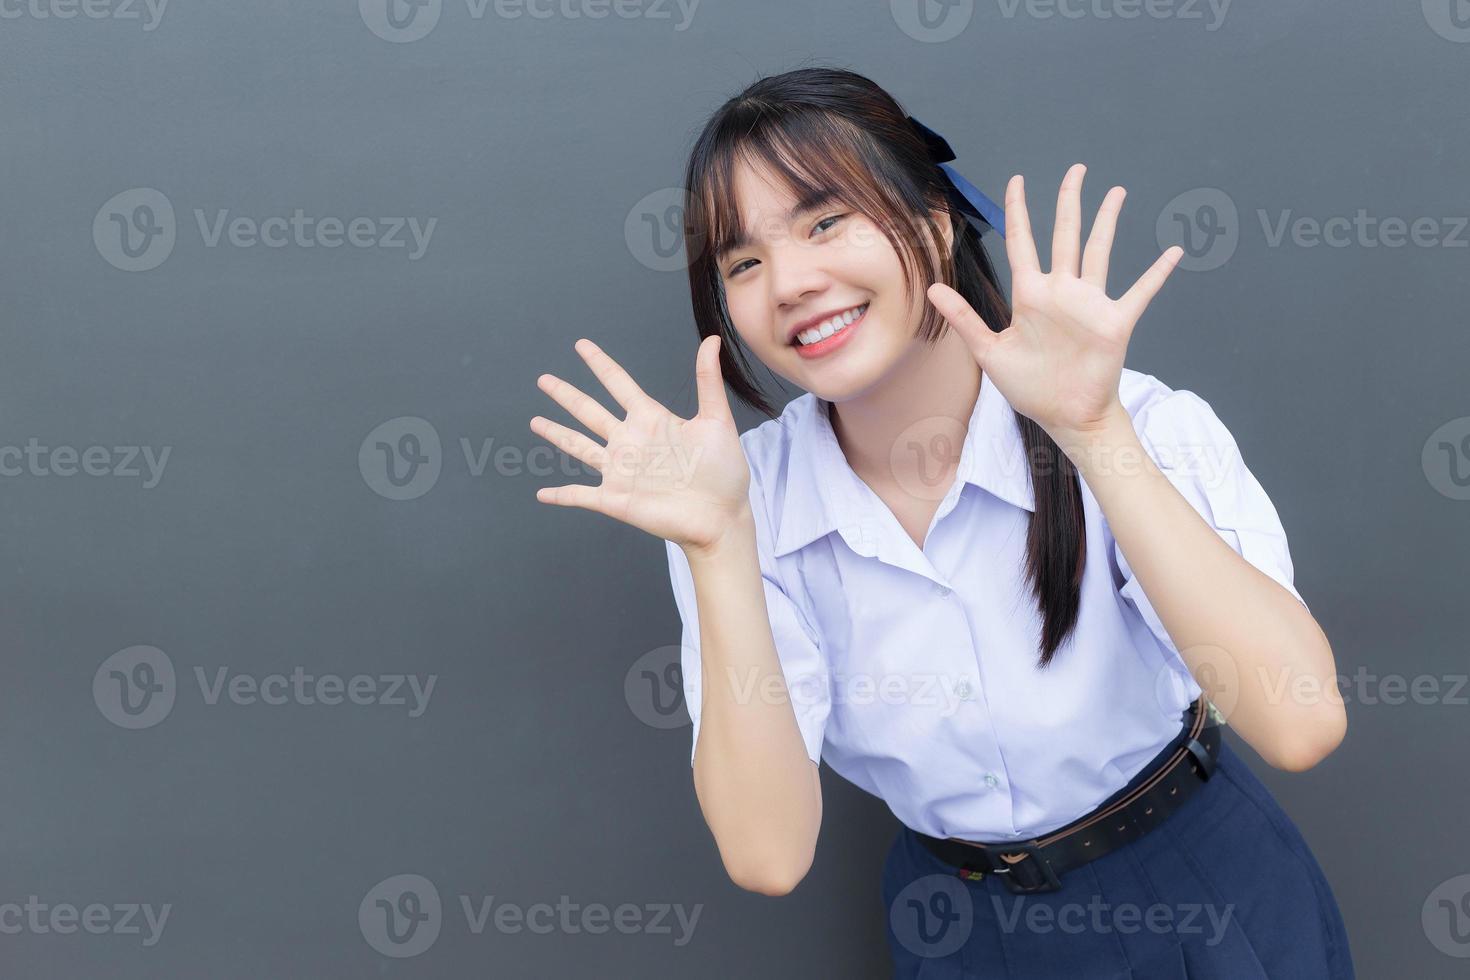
(939,383)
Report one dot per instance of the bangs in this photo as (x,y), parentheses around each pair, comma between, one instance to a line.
(818,158)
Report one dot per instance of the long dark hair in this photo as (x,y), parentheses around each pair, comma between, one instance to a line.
(833,129)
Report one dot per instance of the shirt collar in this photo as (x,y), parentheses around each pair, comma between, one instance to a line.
(823,494)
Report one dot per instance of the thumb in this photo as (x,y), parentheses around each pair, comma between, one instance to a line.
(962,316)
(713,403)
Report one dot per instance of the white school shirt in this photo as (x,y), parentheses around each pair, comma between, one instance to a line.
(913,672)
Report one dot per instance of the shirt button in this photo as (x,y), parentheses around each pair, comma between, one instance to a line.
(991,781)
(964,690)
(942,591)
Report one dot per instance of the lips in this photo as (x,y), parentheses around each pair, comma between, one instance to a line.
(821,318)
(835,340)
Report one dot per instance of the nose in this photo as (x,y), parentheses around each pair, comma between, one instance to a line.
(795,273)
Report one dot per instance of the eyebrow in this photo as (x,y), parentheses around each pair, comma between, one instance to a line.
(812,201)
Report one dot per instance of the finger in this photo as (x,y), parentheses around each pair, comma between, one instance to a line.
(1100,242)
(953,307)
(710,383)
(584,407)
(570,441)
(617,381)
(1068,228)
(1020,248)
(1136,300)
(571,495)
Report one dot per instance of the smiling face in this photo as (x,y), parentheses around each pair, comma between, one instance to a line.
(800,265)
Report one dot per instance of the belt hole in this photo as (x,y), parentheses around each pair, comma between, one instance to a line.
(1174,790)
(1148,811)
(1087,843)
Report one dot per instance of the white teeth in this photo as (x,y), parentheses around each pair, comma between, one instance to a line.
(828,328)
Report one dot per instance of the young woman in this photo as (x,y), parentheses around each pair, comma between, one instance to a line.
(985,571)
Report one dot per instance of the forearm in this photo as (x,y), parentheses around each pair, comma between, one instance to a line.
(1254,649)
(758,790)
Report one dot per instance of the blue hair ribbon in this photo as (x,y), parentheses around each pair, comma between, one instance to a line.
(971,201)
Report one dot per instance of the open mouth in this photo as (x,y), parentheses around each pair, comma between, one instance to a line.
(828,334)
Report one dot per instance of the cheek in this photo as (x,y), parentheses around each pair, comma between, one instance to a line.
(750,322)
(872,257)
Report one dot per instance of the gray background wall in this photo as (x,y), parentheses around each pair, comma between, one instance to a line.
(543,765)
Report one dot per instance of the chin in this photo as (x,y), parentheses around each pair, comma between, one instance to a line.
(844,381)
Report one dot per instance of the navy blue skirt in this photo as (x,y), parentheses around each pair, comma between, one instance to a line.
(1224,889)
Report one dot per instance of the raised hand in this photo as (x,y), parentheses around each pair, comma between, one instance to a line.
(1060,360)
(684,480)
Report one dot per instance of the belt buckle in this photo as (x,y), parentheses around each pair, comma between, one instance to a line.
(1041,868)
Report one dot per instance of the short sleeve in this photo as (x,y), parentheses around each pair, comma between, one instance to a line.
(802,663)
(1199,456)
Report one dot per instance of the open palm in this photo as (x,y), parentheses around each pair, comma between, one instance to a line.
(684,480)
(1060,360)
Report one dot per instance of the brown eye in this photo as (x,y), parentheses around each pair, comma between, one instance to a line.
(833,218)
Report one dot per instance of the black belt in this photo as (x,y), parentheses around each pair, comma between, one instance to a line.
(1157,791)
